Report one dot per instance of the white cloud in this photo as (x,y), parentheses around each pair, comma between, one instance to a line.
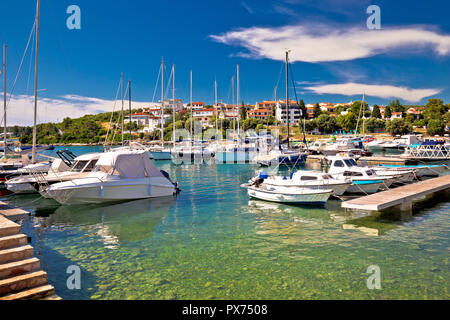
(20,108)
(381,91)
(320,43)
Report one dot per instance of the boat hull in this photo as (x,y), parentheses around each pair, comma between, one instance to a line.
(108,193)
(363,188)
(306,198)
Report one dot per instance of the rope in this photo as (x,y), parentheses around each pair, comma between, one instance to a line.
(112,114)
(156,86)
(20,67)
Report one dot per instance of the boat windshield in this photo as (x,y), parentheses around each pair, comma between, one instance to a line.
(350,163)
(79,165)
(370,172)
(84,165)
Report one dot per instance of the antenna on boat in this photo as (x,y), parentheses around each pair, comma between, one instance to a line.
(33,157)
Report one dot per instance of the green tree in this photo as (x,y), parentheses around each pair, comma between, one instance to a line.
(376,112)
(396,106)
(317,111)
(243,111)
(434,109)
(435,126)
(303,108)
(326,123)
(387,113)
(398,126)
(348,121)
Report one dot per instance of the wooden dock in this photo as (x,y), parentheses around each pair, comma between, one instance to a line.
(20,274)
(399,198)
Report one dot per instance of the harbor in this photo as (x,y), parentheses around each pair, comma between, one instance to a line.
(277,172)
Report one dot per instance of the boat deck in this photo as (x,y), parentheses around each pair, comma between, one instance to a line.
(402,196)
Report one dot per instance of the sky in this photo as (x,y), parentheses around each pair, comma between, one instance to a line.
(334,56)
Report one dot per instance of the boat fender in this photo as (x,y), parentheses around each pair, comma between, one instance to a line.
(102,191)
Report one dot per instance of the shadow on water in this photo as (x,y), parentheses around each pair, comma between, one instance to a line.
(125,221)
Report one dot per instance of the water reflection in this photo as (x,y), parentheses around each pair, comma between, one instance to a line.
(127,221)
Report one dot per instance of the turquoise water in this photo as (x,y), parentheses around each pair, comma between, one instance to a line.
(212,242)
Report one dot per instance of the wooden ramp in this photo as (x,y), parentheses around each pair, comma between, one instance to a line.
(401,197)
(20,274)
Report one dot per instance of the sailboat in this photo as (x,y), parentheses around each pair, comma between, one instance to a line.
(283,154)
(161,152)
(18,162)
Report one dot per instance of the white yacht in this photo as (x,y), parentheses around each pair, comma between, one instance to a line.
(60,171)
(118,176)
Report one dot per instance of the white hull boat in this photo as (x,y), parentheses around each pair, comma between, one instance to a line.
(293,196)
(118,176)
(314,180)
(59,172)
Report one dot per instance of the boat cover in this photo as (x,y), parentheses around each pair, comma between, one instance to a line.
(128,164)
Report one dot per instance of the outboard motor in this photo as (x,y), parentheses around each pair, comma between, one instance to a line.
(167,176)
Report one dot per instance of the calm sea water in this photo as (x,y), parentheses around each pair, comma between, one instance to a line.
(212,242)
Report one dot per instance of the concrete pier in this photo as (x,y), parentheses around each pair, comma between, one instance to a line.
(20,274)
(400,198)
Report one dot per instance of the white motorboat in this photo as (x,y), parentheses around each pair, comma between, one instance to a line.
(401,175)
(118,176)
(315,180)
(364,180)
(59,172)
(292,196)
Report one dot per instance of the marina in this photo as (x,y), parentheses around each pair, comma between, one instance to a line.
(204,232)
(286,170)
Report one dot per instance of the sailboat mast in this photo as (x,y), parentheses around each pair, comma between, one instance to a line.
(121,81)
(174,113)
(232,103)
(38,8)
(360,111)
(4,101)
(129,106)
(192,110)
(215,100)
(162,102)
(238,106)
(287,96)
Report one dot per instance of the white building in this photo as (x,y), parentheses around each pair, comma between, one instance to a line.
(294,112)
(148,121)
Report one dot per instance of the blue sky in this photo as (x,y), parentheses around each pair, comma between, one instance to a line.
(332,51)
